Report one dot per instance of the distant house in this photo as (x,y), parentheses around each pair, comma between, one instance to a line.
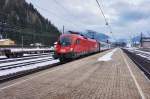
(6,42)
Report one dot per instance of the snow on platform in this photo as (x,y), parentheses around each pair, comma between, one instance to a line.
(108,56)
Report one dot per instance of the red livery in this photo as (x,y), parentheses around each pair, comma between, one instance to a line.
(70,46)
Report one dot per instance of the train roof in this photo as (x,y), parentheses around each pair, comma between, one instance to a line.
(74,35)
(104,43)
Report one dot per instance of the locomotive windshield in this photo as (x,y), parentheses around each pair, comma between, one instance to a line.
(65,41)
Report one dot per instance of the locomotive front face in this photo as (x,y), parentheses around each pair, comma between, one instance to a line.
(64,47)
(65,43)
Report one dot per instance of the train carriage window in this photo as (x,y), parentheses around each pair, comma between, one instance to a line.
(65,41)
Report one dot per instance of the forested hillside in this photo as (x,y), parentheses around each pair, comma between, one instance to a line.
(19,19)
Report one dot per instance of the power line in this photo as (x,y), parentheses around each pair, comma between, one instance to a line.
(67,11)
(102,12)
(58,16)
(104,16)
(109,27)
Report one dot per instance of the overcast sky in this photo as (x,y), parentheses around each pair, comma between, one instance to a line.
(126,17)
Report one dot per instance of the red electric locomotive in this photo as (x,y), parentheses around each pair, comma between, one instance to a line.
(73,45)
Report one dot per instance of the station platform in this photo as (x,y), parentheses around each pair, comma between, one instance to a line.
(95,77)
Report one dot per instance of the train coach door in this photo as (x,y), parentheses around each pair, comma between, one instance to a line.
(77,45)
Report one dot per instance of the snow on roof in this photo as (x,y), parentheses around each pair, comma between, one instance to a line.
(4,39)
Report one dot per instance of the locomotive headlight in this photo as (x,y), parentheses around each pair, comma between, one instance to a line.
(71,49)
(55,47)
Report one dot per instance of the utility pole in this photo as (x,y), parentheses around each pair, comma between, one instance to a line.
(63,29)
(33,39)
(6,36)
(141,39)
(2,28)
(22,41)
(3,18)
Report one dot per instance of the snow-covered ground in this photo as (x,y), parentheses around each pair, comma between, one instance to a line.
(2,57)
(108,56)
(131,48)
(24,68)
(23,61)
(42,60)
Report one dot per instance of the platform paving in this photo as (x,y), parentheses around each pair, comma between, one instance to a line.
(85,78)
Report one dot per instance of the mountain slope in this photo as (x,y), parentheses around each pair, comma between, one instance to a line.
(22,19)
(97,36)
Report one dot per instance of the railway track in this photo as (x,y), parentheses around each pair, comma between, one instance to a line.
(4,60)
(33,64)
(20,64)
(20,67)
(141,59)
